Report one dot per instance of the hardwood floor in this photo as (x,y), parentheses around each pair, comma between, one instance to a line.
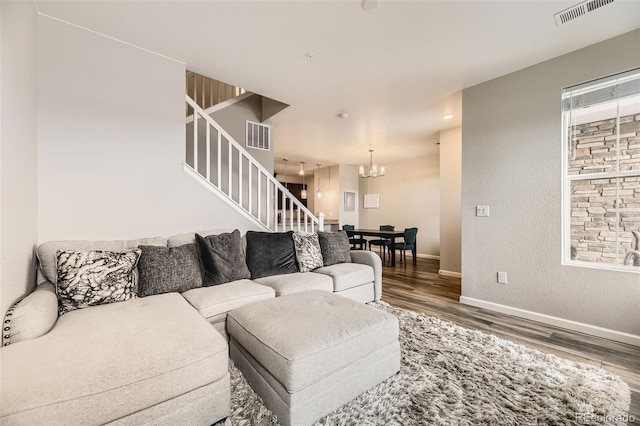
(420,288)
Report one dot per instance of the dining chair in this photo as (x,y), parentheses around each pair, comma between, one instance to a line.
(384,243)
(355,241)
(409,243)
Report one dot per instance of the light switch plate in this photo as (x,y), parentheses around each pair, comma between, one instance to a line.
(502,277)
(482,211)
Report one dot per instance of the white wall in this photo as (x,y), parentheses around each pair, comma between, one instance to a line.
(409,197)
(450,200)
(511,161)
(18,150)
(111,142)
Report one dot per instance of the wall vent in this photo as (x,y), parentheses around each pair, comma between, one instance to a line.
(258,136)
(579,10)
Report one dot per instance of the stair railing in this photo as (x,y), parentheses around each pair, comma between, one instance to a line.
(225,167)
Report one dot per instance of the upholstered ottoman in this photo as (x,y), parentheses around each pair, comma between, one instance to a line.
(308,353)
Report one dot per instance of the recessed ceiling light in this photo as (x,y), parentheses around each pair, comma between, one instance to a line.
(447,116)
(369,5)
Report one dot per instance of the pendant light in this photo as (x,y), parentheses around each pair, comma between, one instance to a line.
(319,192)
(303,193)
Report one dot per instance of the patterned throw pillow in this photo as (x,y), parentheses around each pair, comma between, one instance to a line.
(307,251)
(335,247)
(87,278)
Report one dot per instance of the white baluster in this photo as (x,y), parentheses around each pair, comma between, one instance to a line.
(230,168)
(284,211)
(219,182)
(249,188)
(195,141)
(208,151)
(259,201)
(240,178)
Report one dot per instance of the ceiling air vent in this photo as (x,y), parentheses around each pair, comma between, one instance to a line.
(578,10)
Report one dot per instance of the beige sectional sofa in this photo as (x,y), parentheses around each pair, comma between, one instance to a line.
(155,359)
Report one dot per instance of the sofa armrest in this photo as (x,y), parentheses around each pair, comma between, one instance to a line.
(31,317)
(370,258)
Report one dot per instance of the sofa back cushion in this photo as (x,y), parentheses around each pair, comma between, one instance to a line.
(270,253)
(190,237)
(223,258)
(46,252)
(168,269)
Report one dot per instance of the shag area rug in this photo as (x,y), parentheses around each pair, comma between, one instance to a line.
(450,375)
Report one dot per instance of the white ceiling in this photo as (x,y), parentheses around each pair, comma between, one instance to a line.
(395,70)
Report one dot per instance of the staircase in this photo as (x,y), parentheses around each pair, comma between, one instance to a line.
(224,167)
(207,92)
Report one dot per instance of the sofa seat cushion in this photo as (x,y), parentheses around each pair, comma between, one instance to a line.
(347,275)
(214,302)
(302,338)
(104,362)
(293,283)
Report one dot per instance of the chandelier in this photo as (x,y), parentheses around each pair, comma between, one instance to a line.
(374,172)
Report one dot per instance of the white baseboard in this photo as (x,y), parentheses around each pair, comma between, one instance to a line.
(428,256)
(607,333)
(449,273)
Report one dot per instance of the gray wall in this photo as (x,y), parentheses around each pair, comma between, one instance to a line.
(111,143)
(18,150)
(511,161)
(450,200)
(234,120)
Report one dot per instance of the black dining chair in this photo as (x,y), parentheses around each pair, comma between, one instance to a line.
(384,243)
(409,243)
(355,241)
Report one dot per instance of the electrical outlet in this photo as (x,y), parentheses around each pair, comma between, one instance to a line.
(482,211)
(502,277)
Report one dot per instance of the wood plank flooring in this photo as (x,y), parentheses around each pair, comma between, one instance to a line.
(420,288)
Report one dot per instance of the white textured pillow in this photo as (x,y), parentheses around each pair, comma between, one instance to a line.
(308,253)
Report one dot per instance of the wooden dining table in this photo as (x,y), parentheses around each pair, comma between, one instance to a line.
(390,235)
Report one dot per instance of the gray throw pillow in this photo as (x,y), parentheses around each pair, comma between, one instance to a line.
(308,251)
(223,258)
(270,253)
(95,277)
(335,247)
(168,269)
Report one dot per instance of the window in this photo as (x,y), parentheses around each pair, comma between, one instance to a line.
(258,136)
(601,139)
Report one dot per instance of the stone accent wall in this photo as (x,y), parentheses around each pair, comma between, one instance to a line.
(595,203)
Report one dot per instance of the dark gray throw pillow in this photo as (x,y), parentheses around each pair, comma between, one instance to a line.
(271,253)
(223,258)
(335,247)
(168,269)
